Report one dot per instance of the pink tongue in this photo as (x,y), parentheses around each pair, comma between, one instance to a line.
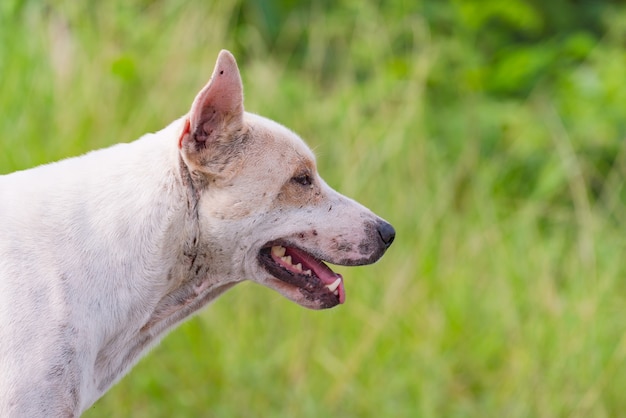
(321,270)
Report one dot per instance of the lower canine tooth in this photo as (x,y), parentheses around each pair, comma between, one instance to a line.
(286,259)
(334,285)
(307,272)
(298,267)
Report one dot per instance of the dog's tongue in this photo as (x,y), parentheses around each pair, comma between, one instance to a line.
(321,270)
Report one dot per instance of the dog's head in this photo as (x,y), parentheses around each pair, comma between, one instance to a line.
(269,215)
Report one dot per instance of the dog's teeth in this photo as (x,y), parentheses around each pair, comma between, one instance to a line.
(298,267)
(336,292)
(307,272)
(286,259)
(334,285)
(278,251)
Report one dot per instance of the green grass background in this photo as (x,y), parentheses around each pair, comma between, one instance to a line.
(491,134)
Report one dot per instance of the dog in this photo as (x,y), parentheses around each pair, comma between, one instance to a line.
(102,254)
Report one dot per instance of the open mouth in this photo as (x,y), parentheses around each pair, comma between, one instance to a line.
(315,280)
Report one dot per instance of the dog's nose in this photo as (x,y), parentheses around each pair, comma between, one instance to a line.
(386,233)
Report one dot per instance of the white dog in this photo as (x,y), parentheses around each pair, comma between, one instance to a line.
(102,254)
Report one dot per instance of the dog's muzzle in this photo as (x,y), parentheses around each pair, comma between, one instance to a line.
(290,263)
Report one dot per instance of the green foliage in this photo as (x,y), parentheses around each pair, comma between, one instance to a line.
(490,133)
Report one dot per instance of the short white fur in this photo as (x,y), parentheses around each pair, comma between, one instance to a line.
(102,254)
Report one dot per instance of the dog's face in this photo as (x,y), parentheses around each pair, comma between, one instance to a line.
(258,187)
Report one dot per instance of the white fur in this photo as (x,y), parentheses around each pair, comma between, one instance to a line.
(101,254)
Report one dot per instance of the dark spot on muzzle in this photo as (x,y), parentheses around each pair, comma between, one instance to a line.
(379,236)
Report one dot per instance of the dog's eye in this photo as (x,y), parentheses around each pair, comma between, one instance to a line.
(303,179)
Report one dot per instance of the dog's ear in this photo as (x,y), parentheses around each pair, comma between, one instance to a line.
(215,120)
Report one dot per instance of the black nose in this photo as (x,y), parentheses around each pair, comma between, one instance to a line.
(386,233)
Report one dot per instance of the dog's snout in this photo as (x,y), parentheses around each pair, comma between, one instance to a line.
(386,233)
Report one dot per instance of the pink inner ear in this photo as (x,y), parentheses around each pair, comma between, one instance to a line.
(222,94)
(184,133)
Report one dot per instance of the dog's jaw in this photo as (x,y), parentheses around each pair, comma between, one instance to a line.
(309,281)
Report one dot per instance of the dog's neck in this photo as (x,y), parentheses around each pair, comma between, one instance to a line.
(187,286)
(191,275)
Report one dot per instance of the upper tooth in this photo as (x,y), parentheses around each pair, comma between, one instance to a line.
(334,285)
(278,250)
(286,259)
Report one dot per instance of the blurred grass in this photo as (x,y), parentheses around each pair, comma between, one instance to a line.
(491,136)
